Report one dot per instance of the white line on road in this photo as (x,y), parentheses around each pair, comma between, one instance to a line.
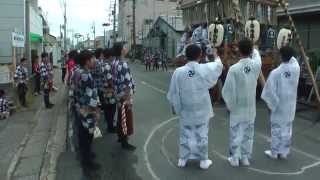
(154,87)
(311,156)
(155,177)
(145,147)
(163,148)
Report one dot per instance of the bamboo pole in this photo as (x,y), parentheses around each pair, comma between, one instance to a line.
(284,5)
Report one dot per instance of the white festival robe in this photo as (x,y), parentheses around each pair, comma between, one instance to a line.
(239,94)
(280,94)
(189,95)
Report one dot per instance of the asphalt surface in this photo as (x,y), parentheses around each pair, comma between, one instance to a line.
(156,136)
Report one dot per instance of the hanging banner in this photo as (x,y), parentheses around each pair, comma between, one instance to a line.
(17,40)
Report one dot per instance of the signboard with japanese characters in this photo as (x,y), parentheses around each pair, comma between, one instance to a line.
(17,40)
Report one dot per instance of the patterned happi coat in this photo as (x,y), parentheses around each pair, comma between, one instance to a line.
(123,80)
(109,92)
(87,100)
(21,75)
(97,73)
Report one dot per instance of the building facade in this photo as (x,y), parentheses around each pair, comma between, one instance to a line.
(14,17)
(147,11)
(165,35)
(11,20)
(202,11)
(306,15)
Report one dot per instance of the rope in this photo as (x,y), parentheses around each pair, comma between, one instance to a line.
(124,119)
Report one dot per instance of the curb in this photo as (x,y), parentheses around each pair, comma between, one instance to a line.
(56,145)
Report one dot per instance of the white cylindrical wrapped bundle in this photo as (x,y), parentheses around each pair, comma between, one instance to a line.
(284,37)
(216,33)
(252,30)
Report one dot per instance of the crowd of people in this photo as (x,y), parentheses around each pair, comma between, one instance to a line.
(156,60)
(190,98)
(42,75)
(100,81)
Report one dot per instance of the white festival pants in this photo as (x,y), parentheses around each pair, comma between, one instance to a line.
(241,140)
(281,133)
(194,141)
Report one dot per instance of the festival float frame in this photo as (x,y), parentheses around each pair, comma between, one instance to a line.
(238,13)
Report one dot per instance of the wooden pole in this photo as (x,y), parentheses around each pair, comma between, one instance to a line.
(284,6)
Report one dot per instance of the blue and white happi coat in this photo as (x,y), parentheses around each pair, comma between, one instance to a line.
(108,84)
(97,74)
(87,100)
(21,74)
(123,80)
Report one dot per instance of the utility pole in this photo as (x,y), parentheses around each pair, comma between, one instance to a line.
(65,26)
(134,29)
(94,34)
(27,32)
(114,21)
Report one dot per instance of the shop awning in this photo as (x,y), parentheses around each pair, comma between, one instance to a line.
(35,37)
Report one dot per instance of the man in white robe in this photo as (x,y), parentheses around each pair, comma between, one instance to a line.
(239,94)
(189,96)
(280,94)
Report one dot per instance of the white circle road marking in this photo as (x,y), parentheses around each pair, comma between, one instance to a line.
(159,126)
(145,147)
(303,169)
(163,148)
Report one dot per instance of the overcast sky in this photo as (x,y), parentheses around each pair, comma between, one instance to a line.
(80,13)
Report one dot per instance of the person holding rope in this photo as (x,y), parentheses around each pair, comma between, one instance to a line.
(239,94)
(280,94)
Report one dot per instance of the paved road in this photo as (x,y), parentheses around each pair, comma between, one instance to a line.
(157,136)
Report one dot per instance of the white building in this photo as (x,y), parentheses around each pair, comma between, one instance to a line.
(13,19)
(147,11)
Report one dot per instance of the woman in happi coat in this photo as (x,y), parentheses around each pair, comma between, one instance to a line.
(125,88)
(189,96)
(109,97)
(280,94)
